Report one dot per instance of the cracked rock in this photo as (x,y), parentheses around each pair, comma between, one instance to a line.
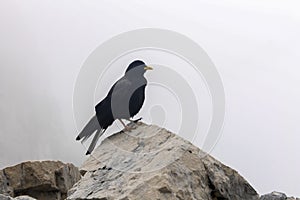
(149,163)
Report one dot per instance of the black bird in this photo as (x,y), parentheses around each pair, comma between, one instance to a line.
(123,101)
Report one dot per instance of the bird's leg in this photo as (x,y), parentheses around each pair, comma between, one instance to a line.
(127,128)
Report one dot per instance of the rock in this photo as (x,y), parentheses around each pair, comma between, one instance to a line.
(152,163)
(39,179)
(277,196)
(274,196)
(5,188)
(4,197)
(25,197)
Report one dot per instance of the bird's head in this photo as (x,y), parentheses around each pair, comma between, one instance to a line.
(137,67)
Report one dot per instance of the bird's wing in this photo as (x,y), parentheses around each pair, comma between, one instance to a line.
(120,87)
(121,90)
(117,91)
(119,98)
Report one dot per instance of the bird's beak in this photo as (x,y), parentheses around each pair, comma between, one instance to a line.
(148,68)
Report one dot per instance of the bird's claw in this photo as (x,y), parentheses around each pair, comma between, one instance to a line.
(137,120)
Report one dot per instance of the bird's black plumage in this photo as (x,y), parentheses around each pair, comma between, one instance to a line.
(123,101)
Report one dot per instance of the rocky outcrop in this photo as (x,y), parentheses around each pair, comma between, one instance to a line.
(150,162)
(42,180)
(277,196)
(147,163)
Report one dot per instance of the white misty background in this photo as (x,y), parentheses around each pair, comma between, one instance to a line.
(254,44)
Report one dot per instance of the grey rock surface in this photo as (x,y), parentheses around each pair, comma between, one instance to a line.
(42,180)
(274,196)
(149,163)
(277,196)
(25,197)
(4,197)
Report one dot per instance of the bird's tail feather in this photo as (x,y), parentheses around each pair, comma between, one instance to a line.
(89,129)
(94,141)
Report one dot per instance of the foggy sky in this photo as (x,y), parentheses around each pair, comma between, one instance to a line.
(254,44)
